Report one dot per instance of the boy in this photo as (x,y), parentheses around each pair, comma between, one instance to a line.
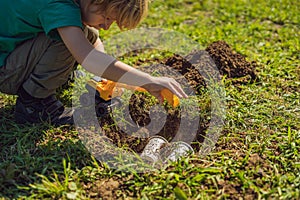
(42,40)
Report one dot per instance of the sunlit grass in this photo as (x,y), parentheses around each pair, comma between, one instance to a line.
(257,157)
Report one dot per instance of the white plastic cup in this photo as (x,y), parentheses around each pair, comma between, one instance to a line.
(151,152)
(175,151)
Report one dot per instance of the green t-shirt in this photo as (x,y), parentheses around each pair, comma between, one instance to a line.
(24,19)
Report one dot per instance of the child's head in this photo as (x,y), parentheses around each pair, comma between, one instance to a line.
(129,13)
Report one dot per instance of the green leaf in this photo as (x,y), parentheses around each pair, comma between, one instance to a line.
(180,194)
(199,177)
(211,170)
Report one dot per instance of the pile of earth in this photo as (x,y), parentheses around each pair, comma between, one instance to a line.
(218,55)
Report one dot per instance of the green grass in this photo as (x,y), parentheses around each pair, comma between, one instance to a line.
(258,157)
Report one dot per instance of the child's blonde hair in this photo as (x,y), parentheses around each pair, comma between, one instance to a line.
(129,12)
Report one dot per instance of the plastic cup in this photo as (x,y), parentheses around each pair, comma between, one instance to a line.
(175,151)
(151,152)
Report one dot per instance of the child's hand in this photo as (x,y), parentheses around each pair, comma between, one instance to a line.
(159,83)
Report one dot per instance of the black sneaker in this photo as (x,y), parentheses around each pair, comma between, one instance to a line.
(49,110)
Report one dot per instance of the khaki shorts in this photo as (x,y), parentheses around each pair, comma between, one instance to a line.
(40,65)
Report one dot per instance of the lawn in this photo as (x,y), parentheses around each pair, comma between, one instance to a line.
(257,155)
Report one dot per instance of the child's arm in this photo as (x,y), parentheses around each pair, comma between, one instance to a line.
(108,67)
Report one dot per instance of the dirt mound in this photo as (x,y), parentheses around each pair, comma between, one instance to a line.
(230,63)
(188,70)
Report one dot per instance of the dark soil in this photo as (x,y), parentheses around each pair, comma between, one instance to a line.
(185,70)
(232,64)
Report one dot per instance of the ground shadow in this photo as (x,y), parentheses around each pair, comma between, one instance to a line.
(27,150)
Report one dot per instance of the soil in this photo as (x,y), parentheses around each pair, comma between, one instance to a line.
(232,64)
(185,70)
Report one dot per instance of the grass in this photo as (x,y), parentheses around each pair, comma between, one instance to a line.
(258,155)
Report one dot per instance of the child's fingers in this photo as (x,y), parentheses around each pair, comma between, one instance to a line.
(177,89)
